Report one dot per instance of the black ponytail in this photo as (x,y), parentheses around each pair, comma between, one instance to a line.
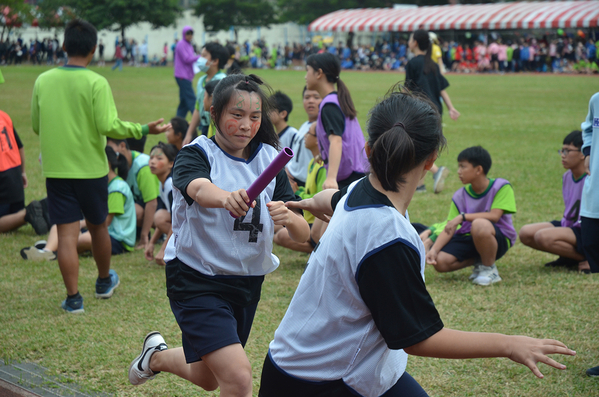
(330,66)
(117,161)
(404,130)
(425,44)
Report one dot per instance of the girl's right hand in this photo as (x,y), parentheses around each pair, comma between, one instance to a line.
(324,214)
(431,257)
(236,203)
(530,351)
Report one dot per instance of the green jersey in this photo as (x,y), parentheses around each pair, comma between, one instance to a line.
(73,111)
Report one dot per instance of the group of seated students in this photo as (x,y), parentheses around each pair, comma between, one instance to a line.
(139,198)
(479,229)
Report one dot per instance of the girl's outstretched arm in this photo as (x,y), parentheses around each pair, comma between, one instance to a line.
(449,343)
(320,205)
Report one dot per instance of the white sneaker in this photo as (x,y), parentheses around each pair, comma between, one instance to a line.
(487,276)
(139,370)
(476,270)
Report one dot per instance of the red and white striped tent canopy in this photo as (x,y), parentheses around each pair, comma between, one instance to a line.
(516,15)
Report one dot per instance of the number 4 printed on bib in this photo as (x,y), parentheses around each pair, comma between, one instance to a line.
(254,227)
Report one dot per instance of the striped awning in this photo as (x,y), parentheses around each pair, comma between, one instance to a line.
(516,15)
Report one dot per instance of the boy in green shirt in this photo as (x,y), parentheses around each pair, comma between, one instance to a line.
(73,111)
(479,227)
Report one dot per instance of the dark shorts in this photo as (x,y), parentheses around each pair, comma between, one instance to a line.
(275,383)
(209,323)
(590,236)
(577,232)
(117,247)
(69,198)
(11,208)
(160,204)
(462,246)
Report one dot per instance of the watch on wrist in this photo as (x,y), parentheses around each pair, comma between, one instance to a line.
(463,216)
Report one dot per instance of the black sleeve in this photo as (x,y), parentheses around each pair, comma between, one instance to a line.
(442,81)
(337,196)
(19,143)
(191,163)
(333,119)
(283,191)
(393,289)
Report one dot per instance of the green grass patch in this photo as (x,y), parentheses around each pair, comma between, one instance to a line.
(520,119)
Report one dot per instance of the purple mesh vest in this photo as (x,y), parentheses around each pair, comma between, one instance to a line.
(572,192)
(468,205)
(353,155)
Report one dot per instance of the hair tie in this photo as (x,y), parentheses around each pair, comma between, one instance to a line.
(400,124)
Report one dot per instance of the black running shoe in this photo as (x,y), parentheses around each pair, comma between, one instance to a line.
(34,214)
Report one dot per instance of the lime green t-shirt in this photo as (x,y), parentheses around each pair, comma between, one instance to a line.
(73,111)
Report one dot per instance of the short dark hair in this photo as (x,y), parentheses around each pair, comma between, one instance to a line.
(476,155)
(404,129)
(118,141)
(218,52)
(574,138)
(210,86)
(281,101)
(180,126)
(80,37)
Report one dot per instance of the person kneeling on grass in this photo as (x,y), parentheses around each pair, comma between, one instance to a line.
(483,211)
(120,220)
(564,238)
(361,306)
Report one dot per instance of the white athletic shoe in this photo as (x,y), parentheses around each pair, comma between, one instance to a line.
(487,276)
(476,270)
(139,370)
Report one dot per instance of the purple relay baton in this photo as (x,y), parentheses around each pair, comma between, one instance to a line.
(268,174)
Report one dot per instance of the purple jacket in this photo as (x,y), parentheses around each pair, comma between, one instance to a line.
(185,56)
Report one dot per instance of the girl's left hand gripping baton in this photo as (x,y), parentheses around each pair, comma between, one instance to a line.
(268,175)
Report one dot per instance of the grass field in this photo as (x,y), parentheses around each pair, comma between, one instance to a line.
(520,119)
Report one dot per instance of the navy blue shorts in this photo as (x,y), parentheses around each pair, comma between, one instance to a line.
(275,383)
(11,208)
(117,247)
(209,323)
(69,198)
(462,246)
(577,232)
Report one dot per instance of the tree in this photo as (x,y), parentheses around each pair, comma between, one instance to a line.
(306,11)
(118,15)
(222,14)
(13,14)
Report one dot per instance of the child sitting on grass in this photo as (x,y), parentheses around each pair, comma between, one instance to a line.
(144,186)
(315,178)
(120,220)
(564,238)
(162,159)
(175,134)
(483,209)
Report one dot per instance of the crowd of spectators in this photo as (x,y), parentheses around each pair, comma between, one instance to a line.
(37,52)
(559,53)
